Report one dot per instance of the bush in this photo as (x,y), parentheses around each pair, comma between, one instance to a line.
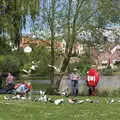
(9,63)
(107,93)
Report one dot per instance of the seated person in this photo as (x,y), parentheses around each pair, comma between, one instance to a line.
(9,82)
(23,88)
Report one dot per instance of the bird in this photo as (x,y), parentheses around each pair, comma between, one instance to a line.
(88,100)
(23,98)
(55,68)
(64,92)
(72,100)
(58,101)
(42,92)
(6,98)
(110,101)
(80,101)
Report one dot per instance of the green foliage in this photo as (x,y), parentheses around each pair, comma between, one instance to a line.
(13,17)
(83,65)
(41,58)
(4,48)
(9,63)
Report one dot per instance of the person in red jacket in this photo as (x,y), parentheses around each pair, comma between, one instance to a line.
(92,81)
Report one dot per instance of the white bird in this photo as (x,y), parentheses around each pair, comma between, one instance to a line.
(72,101)
(110,101)
(45,98)
(42,92)
(32,67)
(88,100)
(64,92)
(23,98)
(80,101)
(18,96)
(57,69)
(6,98)
(58,101)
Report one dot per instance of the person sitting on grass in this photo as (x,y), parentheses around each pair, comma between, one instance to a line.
(10,82)
(23,88)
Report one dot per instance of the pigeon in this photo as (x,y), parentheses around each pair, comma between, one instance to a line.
(42,92)
(50,100)
(58,101)
(64,92)
(72,100)
(23,98)
(6,98)
(80,101)
(88,100)
(110,101)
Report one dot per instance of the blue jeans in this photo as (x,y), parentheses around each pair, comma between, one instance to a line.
(74,85)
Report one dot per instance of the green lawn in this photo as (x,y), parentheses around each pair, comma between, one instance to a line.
(27,110)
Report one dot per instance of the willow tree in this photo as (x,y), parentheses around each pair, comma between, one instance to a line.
(13,17)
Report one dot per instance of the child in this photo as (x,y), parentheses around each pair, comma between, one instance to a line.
(23,88)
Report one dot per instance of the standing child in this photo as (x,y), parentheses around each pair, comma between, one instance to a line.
(74,82)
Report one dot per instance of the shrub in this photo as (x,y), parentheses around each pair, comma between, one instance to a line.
(9,63)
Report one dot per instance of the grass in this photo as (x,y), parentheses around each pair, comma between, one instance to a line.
(28,110)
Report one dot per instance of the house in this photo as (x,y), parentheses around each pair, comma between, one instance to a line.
(110,57)
(26,41)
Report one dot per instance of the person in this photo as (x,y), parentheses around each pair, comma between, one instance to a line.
(74,82)
(10,82)
(23,88)
(92,81)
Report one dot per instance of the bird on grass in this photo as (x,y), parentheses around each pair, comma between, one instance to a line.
(58,101)
(110,101)
(72,100)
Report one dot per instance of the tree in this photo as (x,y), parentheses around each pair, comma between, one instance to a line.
(73,17)
(87,13)
(13,17)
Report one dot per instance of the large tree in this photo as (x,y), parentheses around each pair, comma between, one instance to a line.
(73,17)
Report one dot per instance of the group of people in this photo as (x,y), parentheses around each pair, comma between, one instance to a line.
(92,79)
(21,88)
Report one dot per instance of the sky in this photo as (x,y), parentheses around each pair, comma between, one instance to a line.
(28,26)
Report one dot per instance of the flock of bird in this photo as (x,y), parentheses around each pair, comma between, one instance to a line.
(44,98)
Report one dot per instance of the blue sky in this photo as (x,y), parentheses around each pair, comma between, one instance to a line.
(28,26)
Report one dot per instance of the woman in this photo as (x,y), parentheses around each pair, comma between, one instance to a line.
(10,81)
(74,82)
